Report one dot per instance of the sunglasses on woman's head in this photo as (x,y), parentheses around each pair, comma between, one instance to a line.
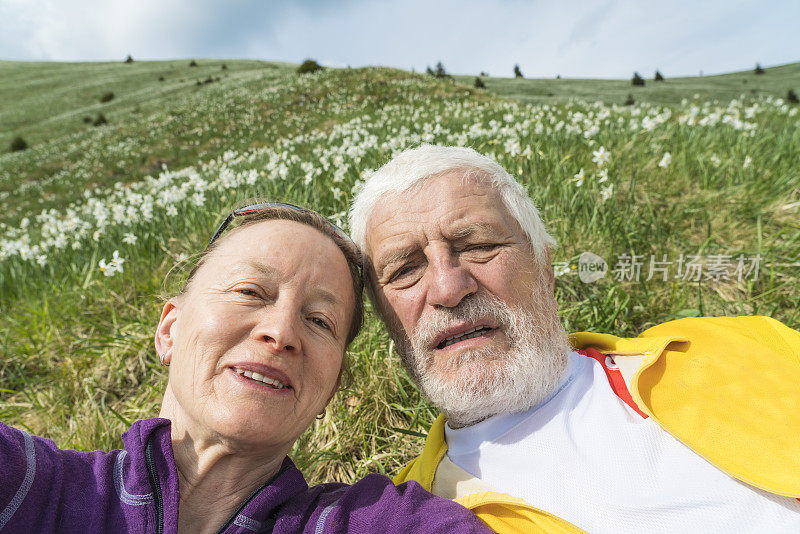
(255,208)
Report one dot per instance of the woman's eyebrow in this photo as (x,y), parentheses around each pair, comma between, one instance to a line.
(255,266)
(318,294)
(326,296)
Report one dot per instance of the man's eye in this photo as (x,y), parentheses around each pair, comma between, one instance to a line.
(403,272)
(482,247)
(249,292)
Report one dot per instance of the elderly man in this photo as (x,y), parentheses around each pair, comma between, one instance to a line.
(693,425)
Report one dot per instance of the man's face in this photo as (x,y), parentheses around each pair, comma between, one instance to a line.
(454,273)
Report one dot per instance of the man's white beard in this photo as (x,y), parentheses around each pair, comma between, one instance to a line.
(479,383)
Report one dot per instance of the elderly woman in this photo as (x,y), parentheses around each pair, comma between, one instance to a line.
(255,343)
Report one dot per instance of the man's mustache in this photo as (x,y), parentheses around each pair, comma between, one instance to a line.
(472,309)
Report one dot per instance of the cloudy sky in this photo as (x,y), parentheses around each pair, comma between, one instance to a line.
(581,38)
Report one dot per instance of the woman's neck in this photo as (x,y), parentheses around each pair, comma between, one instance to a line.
(216,475)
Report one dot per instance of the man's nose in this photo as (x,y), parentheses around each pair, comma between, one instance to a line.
(278,327)
(450,281)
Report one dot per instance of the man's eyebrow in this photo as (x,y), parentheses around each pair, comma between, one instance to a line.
(472,228)
(395,256)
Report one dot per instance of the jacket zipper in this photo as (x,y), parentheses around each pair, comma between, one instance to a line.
(252,496)
(154,484)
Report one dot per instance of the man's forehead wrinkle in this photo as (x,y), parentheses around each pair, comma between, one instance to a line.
(390,227)
(435,208)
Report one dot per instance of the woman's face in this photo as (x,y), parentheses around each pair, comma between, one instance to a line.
(256,343)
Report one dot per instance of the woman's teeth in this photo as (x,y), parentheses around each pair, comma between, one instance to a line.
(469,334)
(271,382)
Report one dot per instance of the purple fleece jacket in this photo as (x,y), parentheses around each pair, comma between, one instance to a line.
(46,489)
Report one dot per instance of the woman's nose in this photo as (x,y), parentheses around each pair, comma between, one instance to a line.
(278,328)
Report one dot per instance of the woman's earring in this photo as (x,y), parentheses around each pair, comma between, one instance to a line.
(163,358)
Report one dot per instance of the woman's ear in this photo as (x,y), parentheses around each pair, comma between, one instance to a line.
(165,334)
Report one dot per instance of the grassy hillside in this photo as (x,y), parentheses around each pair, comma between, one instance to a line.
(776,82)
(46,100)
(709,185)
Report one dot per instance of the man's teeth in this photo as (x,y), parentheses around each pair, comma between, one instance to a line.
(469,334)
(271,382)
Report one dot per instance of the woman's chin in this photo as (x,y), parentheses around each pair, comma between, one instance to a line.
(247,426)
(251,420)
(243,413)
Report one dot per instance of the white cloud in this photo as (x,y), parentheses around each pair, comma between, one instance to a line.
(586,38)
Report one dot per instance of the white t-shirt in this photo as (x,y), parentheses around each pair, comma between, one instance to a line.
(587,457)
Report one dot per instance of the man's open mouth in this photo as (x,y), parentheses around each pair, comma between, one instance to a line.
(461,336)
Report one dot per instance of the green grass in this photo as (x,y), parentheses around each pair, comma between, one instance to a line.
(43,100)
(77,359)
(776,81)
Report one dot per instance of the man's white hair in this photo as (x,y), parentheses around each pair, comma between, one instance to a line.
(414,165)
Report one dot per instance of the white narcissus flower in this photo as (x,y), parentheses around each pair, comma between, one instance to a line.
(715,160)
(560,268)
(665,161)
(747,161)
(606,192)
(602,176)
(601,156)
(129,238)
(116,261)
(112,267)
(172,210)
(578,178)
(106,268)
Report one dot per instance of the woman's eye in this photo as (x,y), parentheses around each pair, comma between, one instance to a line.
(319,321)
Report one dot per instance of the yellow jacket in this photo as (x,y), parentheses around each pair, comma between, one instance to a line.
(727,387)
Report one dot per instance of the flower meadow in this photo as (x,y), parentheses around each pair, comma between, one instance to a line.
(93,223)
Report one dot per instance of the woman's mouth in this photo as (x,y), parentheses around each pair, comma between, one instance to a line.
(258,377)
